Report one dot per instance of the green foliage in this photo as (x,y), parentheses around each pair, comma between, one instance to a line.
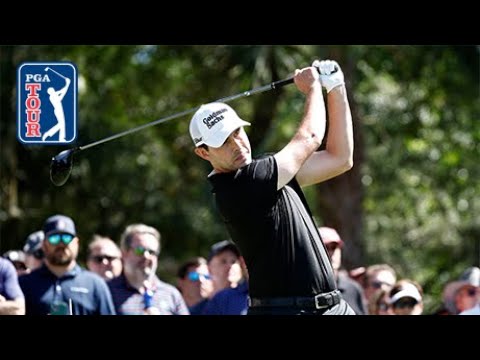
(420,106)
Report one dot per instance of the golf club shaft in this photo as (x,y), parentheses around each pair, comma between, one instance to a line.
(271,86)
(48,68)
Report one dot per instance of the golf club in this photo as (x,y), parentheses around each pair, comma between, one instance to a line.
(47,68)
(62,164)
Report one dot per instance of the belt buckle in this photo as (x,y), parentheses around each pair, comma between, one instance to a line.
(328,299)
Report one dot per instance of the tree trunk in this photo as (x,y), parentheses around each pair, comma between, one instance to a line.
(10,210)
(265,106)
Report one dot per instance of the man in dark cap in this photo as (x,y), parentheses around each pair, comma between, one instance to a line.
(223,265)
(33,250)
(229,275)
(60,286)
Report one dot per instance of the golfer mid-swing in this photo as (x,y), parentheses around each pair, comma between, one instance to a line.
(261,201)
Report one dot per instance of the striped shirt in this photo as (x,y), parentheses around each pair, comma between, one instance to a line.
(129,301)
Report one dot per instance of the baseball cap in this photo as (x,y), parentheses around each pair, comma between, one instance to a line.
(213,123)
(59,224)
(34,242)
(330,235)
(221,246)
(408,290)
(470,277)
(15,256)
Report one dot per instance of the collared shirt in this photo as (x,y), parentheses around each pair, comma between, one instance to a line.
(129,301)
(197,309)
(85,291)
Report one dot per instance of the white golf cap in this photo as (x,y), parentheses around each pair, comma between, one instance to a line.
(213,123)
(409,290)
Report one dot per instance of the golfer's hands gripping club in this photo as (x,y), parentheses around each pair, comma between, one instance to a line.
(307,78)
(331,75)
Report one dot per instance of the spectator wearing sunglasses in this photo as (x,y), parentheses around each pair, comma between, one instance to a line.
(379,303)
(472,275)
(11,296)
(406,298)
(195,284)
(60,286)
(462,296)
(378,276)
(33,250)
(104,257)
(138,290)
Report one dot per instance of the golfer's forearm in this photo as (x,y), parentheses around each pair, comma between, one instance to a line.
(12,307)
(312,128)
(340,132)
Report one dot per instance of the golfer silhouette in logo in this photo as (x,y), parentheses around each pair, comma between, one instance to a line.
(56,98)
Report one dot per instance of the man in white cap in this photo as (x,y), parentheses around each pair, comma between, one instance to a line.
(261,200)
(463,296)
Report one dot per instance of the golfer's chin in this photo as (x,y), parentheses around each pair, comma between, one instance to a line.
(243,160)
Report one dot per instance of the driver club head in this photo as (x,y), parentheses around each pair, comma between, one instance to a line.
(61,167)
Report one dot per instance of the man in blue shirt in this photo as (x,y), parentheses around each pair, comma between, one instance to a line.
(60,286)
(11,296)
(227,268)
(195,284)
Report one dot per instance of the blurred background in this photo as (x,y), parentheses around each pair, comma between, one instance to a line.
(411,200)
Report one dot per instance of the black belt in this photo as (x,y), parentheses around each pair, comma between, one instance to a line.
(320,301)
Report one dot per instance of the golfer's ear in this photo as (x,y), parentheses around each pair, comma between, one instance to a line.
(202,152)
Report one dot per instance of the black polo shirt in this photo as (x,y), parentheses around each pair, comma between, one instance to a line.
(284,253)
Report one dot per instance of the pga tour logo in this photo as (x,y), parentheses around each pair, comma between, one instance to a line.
(47,103)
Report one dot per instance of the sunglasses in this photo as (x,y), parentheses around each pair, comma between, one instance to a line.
(379,284)
(195,276)
(140,251)
(405,303)
(470,292)
(56,238)
(99,258)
